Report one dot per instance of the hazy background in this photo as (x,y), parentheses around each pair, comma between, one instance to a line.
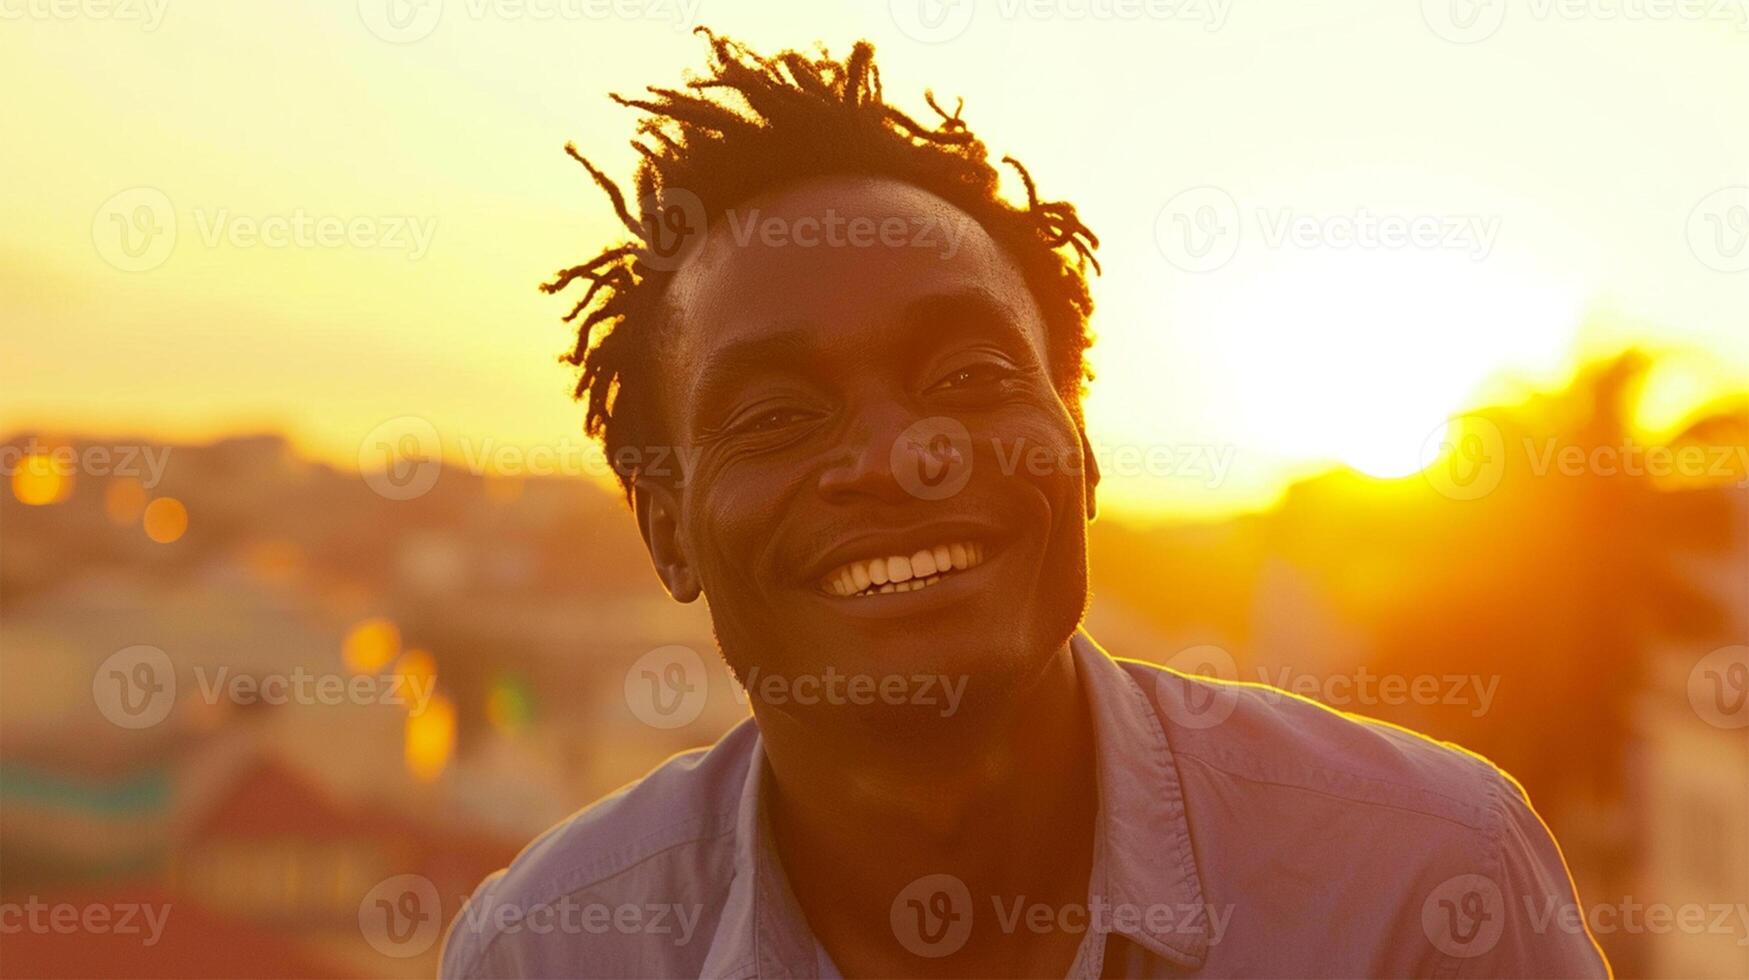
(280,399)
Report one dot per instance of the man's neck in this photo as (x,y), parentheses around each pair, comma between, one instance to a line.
(1004,801)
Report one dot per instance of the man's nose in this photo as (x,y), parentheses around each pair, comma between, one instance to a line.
(893,456)
(863,465)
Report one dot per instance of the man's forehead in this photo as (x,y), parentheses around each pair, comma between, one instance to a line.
(835,260)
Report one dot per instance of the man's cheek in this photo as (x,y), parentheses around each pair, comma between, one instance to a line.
(1036,450)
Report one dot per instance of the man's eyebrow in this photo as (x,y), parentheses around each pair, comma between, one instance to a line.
(735,362)
(972,310)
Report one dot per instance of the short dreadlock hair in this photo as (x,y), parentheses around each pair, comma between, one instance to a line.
(752,124)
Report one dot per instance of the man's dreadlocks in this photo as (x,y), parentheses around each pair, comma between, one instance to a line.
(787,118)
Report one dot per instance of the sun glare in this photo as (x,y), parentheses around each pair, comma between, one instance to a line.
(1360,359)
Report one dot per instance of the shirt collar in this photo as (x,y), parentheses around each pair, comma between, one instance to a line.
(1145,860)
(1143,857)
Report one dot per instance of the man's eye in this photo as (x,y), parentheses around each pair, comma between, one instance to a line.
(770,419)
(972,374)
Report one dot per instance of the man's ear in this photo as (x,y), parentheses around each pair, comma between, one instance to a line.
(658,511)
(1090,467)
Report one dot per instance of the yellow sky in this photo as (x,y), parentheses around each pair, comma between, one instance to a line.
(1563,167)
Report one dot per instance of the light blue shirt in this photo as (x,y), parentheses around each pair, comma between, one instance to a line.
(1242,831)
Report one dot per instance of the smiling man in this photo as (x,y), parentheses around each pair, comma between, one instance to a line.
(862,353)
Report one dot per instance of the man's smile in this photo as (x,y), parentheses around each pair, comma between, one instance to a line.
(902,573)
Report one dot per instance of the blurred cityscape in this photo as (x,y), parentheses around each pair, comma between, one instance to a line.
(356,688)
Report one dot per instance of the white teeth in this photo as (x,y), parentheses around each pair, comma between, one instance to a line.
(902,573)
(923,564)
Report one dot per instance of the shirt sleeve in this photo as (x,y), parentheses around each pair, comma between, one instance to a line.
(1542,926)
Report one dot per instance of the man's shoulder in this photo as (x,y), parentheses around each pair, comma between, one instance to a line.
(1428,848)
(640,847)
(1270,738)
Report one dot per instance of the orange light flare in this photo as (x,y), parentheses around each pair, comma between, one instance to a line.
(370,645)
(165,520)
(38,480)
(430,739)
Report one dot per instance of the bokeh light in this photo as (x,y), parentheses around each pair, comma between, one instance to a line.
(39,480)
(370,645)
(431,738)
(165,520)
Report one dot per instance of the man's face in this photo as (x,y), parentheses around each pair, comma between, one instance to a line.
(884,481)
